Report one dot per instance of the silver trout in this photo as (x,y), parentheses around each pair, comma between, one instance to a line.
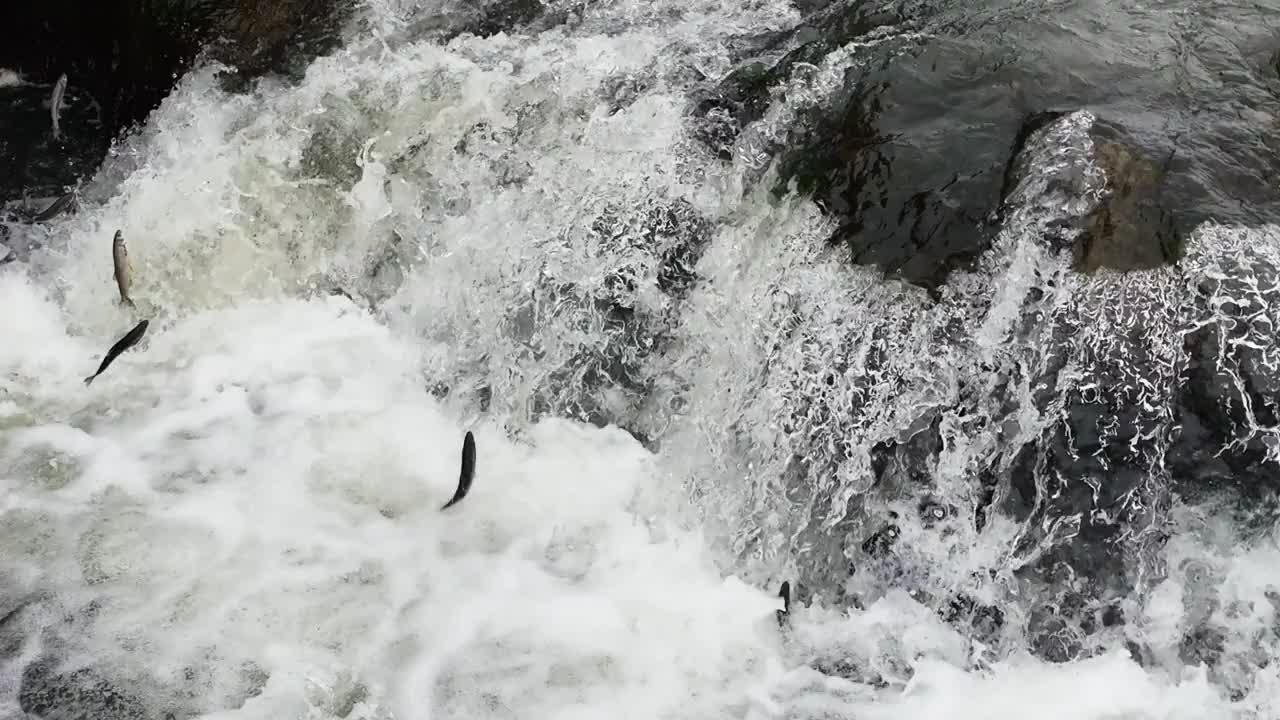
(120,258)
(55,104)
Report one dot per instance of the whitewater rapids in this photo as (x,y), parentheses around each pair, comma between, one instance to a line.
(239,519)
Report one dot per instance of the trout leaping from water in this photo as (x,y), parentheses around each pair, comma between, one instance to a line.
(468,470)
(120,259)
(124,343)
(58,206)
(55,104)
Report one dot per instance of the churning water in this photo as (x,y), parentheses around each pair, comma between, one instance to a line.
(676,389)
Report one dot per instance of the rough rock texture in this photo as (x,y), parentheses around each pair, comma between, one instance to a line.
(260,36)
(1129,230)
(78,695)
(909,153)
(484,18)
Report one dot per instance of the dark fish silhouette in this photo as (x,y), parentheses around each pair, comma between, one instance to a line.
(785,594)
(468,470)
(56,208)
(132,338)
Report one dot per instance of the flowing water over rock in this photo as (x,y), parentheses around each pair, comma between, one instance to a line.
(960,321)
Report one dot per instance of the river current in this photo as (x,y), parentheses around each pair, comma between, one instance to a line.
(682,395)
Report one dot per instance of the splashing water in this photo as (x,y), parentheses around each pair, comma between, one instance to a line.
(240,518)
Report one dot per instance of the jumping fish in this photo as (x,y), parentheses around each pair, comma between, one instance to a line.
(55,104)
(57,207)
(785,594)
(468,470)
(124,343)
(120,259)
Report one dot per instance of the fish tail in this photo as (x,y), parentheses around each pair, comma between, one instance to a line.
(89,380)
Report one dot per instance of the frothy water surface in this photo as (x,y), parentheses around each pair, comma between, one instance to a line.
(240,518)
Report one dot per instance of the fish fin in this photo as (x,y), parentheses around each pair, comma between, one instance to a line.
(467,473)
(128,302)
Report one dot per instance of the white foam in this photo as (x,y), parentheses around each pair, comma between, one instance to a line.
(260,480)
(246,470)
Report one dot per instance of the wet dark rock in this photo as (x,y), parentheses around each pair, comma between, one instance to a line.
(256,37)
(742,97)
(912,190)
(621,91)
(1020,164)
(12,633)
(503,15)
(1093,501)
(911,155)
(484,18)
(664,242)
(1205,645)
(1024,493)
(830,24)
(655,245)
(1139,653)
(1051,637)
(682,235)
(1129,230)
(1214,448)
(984,621)
(511,171)
(333,150)
(1093,485)
(882,540)
(988,484)
(82,694)
(1112,616)
(907,465)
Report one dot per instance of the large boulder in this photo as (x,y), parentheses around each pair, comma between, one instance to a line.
(909,152)
(262,36)
(1128,227)
(1129,230)
(77,695)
